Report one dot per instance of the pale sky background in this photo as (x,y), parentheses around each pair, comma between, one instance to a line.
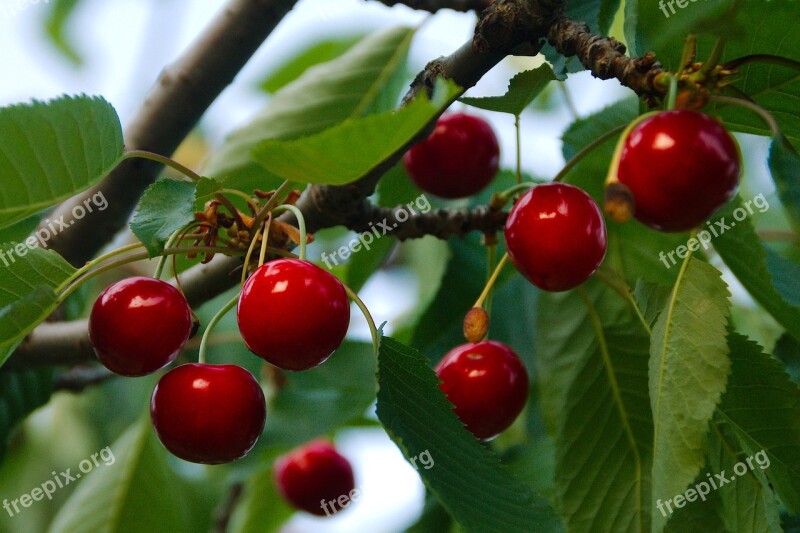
(125,44)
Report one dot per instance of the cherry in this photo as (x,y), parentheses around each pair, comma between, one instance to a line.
(293,314)
(315,478)
(208,414)
(556,236)
(457,160)
(139,325)
(680,166)
(487,383)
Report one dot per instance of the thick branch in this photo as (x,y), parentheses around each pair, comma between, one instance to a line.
(605,57)
(435,5)
(180,97)
(441,223)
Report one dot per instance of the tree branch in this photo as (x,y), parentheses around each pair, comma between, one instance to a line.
(176,103)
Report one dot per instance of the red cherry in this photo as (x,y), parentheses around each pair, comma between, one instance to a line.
(680,167)
(316,478)
(459,158)
(293,314)
(208,414)
(488,385)
(139,325)
(556,236)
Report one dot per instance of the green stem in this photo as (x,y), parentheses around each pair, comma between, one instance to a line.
(163,259)
(568,100)
(367,315)
(93,263)
(271,203)
(763,58)
(765,115)
(491,264)
(211,324)
(158,158)
(301,225)
(492,280)
(585,151)
(713,60)
(519,149)
(72,284)
(672,96)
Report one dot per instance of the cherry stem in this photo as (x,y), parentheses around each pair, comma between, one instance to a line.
(301,225)
(94,262)
(519,149)
(713,60)
(492,280)
(163,259)
(689,53)
(232,208)
(201,358)
(491,264)
(562,85)
(271,203)
(763,58)
(242,195)
(76,280)
(625,292)
(501,199)
(585,151)
(264,240)
(367,315)
(765,115)
(672,96)
(143,154)
(247,256)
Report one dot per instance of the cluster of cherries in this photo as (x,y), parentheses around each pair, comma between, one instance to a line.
(295,315)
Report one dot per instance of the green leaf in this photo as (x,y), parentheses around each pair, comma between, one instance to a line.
(321,52)
(21,392)
(348,151)
(166,206)
(261,508)
(762,407)
(466,477)
(324,398)
(58,18)
(604,436)
(749,29)
(522,89)
(742,251)
(367,261)
(364,80)
(137,491)
(26,290)
(705,518)
(748,504)
(785,168)
(689,368)
(651,299)
(787,350)
(51,151)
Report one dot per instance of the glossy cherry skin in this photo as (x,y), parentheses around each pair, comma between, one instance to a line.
(556,236)
(315,474)
(293,314)
(208,414)
(488,385)
(139,325)
(458,160)
(680,166)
